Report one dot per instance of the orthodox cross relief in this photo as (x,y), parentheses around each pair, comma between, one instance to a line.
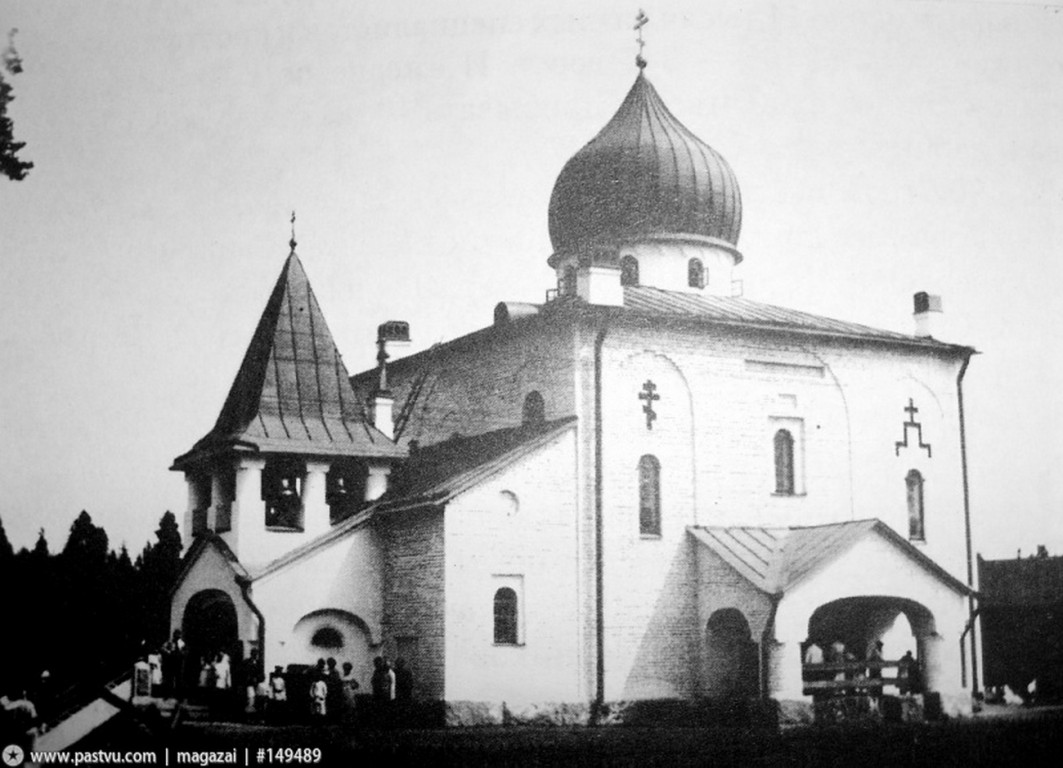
(649,394)
(911,410)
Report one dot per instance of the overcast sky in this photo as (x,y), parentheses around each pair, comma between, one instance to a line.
(881,147)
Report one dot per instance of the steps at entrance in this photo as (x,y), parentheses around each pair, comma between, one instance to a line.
(76,725)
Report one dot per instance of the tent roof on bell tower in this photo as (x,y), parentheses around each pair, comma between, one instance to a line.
(292,393)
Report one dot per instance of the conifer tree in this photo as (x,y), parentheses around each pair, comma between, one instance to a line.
(10,165)
(7,552)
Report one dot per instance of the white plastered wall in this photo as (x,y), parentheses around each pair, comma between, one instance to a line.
(874,567)
(343,576)
(489,545)
(213,571)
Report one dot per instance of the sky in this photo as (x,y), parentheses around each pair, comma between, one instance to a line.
(882,148)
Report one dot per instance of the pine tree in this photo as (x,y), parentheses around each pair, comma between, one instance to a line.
(7,552)
(40,549)
(159,565)
(10,165)
(86,547)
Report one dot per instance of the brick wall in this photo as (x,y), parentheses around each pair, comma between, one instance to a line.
(414,596)
(722,396)
(478,383)
(723,393)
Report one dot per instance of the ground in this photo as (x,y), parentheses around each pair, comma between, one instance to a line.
(999,736)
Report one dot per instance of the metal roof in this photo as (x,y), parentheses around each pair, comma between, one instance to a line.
(292,393)
(644,174)
(657,302)
(776,559)
(437,473)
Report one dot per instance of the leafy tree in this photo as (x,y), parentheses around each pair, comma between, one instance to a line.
(10,165)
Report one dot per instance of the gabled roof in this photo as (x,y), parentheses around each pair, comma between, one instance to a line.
(658,303)
(292,393)
(774,560)
(437,473)
(201,544)
(433,476)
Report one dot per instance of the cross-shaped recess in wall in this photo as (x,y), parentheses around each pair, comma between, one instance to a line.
(649,394)
(911,410)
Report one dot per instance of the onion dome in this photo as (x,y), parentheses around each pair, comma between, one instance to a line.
(644,176)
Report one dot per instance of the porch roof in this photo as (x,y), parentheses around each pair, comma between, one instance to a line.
(774,560)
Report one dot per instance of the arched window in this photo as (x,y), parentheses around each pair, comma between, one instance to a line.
(649,496)
(914,482)
(568,283)
(534,409)
(695,274)
(784,462)
(506,616)
(328,638)
(629,271)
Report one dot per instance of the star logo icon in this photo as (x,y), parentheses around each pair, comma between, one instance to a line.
(13,755)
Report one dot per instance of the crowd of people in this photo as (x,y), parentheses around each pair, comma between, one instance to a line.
(325,692)
(857,675)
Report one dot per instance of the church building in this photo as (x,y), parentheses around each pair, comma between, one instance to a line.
(644,488)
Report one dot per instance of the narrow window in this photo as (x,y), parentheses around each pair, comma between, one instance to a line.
(784,462)
(568,283)
(914,482)
(649,496)
(505,616)
(629,271)
(534,409)
(695,274)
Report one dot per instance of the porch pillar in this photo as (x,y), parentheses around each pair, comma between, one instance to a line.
(783,670)
(932,660)
(315,506)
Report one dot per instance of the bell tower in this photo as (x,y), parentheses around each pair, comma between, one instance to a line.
(291,453)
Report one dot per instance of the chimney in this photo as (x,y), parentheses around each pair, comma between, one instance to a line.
(927,314)
(380,412)
(394,332)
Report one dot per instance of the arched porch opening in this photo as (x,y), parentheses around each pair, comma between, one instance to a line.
(209,625)
(849,630)
(338,634)
(731,657)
